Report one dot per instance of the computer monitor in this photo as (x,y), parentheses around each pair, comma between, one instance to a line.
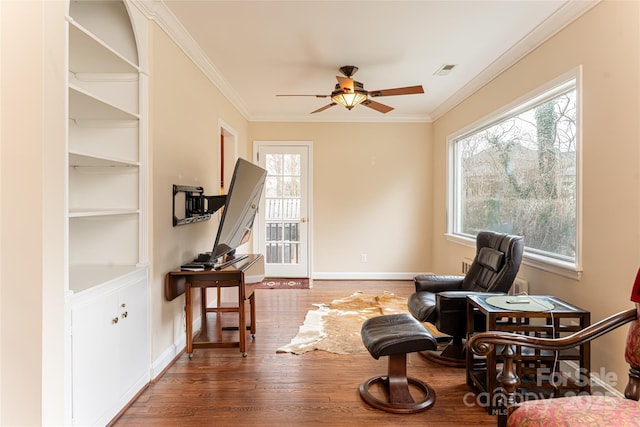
(240,209)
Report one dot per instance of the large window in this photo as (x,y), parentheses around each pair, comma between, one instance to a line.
(517,173)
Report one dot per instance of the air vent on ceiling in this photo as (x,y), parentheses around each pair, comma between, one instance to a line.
(445,69)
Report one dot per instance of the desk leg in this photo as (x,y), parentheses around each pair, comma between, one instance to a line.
(252,304)
(470,331)
(203,309)
(189,318)
(242,321)
(491,361)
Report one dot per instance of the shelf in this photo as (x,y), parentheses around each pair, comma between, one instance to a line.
(77,159)
(84,277)
(117,89)
(109,22)
(101,187)
(89,54)
(85,106)
(115,140)
(85,213)
(107,236)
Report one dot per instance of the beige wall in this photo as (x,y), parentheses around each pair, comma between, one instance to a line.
(185,108)
(606,42)
(21,370)
(371,194)
(32,159)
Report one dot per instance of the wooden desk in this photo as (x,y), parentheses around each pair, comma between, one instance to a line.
(246,275)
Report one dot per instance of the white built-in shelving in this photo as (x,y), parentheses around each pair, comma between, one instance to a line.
(106,185)
(104,145)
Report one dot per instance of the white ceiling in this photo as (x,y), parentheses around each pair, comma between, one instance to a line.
(253,50)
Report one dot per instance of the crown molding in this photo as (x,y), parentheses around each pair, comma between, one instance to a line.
(564,16)
(336,119)
(158,12)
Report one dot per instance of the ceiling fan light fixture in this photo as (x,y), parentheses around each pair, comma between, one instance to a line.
(350,93)
(348,99)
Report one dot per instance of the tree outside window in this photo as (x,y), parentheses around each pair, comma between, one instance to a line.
(518,175)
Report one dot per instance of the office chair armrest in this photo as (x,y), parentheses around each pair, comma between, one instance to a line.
(462,295)
(457,300)
(437,283)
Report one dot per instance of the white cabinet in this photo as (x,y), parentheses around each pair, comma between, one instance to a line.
(110,348)
(108,305)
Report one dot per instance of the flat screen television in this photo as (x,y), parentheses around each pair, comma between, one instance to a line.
(239,211)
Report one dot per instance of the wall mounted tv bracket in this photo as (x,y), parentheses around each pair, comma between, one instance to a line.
(197,206)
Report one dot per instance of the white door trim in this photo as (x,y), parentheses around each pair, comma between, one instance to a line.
(231,141)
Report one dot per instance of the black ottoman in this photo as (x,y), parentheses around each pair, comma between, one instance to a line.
(395,335)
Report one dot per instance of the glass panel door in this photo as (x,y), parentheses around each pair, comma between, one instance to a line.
(282,210)
(283,221)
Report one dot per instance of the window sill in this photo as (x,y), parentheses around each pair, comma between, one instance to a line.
(539,262)
(564,269)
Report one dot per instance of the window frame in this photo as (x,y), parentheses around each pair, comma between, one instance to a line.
(532,257)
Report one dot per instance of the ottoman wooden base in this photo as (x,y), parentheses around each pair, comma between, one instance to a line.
(396,335)
(396,386)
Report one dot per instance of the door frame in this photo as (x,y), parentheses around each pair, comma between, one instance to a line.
(229,137)
(257,145)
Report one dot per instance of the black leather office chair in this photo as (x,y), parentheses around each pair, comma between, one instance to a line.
(441,300)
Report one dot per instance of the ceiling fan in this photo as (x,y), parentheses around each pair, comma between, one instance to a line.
(350,93)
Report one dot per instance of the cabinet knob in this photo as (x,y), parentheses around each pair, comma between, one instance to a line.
(123,305)
(114,320)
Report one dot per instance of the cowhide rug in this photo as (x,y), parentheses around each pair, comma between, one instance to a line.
(335,327)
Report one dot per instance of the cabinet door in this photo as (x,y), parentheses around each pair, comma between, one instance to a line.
(133,338)
(94,342)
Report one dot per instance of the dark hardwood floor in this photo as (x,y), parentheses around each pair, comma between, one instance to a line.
(219,387)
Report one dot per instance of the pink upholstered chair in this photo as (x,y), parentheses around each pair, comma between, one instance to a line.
(583,410)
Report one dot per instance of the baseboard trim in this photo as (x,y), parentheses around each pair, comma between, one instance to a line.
(596,381)
(363,276)
(166,359)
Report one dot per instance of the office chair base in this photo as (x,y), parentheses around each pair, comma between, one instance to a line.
(453,355)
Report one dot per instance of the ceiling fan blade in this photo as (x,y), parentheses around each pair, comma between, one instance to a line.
(409,90)
(317,96)
(346,83)
(323,108)
(377,106)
